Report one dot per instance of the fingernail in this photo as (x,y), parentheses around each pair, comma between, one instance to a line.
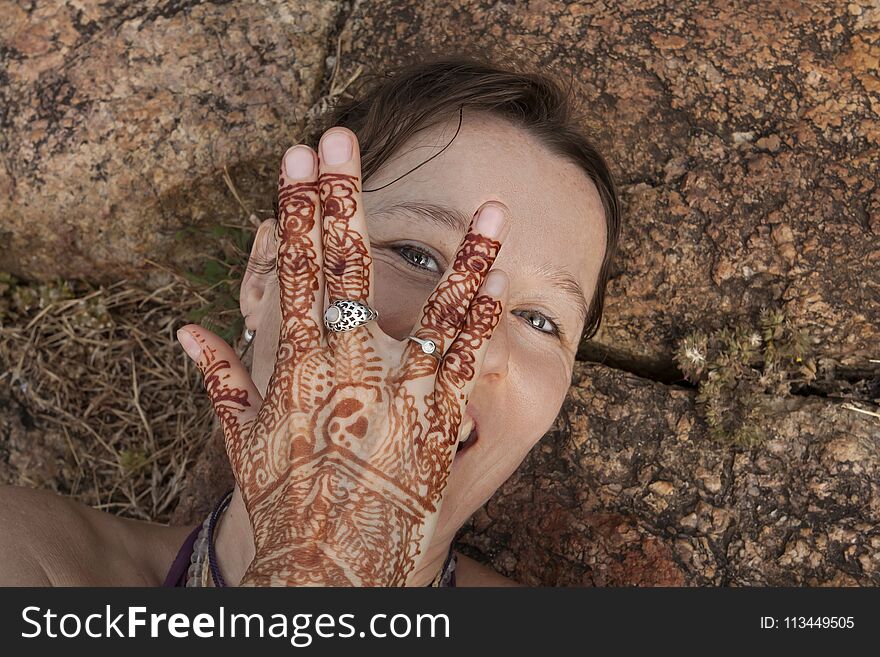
(491,221)
(336,148)
(299,162)
(190,345)
(495,283)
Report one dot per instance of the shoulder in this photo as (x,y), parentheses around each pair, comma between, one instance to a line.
(50,540)
(469,572)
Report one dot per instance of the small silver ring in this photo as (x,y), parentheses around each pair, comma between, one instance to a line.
(347,315)
(428,346)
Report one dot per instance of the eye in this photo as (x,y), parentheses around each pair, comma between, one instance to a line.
(543,320)
(418,259)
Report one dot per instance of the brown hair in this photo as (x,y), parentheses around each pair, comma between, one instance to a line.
(386,110)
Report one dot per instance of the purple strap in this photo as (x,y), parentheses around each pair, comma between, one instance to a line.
(177,575)
(449,557)
(212,524)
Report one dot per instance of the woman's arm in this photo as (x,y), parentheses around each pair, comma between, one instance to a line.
(47,539)
(28,534)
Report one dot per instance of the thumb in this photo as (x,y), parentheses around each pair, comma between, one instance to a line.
(229,385)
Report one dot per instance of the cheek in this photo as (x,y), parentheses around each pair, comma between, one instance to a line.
(539,379)
(536,405)
(524,408)
(534,389)
(538,385)
(398,300)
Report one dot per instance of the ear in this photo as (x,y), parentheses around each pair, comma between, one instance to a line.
(257,276)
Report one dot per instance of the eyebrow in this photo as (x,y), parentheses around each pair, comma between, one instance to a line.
(442,215)
(455,220)
(567,284)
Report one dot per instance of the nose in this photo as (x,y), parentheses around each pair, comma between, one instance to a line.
(497,353)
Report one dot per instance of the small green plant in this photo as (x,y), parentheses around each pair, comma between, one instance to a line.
(132,460)
(19,298)
(740,370)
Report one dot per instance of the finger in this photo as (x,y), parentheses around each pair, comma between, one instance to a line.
(455,381)
(229,385)
(300,279)
(463,361)
(348,270)
(444,312)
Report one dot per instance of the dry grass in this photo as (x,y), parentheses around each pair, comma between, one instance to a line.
(102,368)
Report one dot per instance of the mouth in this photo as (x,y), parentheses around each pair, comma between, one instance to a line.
(469,438)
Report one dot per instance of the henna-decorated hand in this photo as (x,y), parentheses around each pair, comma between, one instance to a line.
(343,465)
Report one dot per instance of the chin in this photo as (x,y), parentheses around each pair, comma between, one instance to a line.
(467,488)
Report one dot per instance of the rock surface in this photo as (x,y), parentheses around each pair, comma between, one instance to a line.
(626,490)
(118,118)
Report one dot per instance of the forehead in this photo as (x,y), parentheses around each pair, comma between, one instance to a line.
(556,210)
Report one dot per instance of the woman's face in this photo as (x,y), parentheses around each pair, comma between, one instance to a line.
(552,256)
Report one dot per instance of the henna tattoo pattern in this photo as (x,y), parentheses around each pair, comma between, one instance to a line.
(228,401)
(297,264)
(347,260)
(347,458)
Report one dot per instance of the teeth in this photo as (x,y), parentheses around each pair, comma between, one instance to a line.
(467,434)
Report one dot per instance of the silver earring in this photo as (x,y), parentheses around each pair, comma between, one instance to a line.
(249,335)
